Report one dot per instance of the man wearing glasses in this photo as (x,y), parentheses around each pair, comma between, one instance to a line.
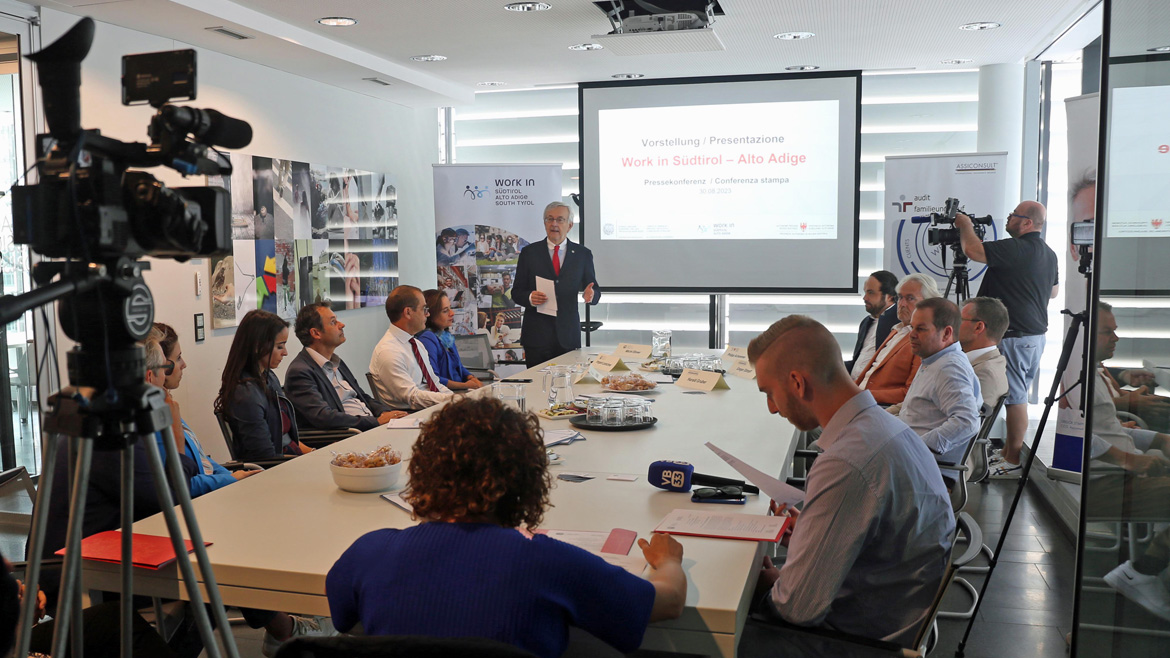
(1021,272)
(400,364)
(570,266)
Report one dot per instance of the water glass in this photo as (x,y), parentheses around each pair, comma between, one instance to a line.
(511,394)
(595,411)
(712,363)
(660,347)
(635,411)
(614,412)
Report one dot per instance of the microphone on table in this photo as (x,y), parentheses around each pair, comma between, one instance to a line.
(679,476)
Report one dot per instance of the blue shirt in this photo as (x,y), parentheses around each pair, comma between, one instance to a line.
(482,580)
(203,481)
(870,548)
(445,362)
(942,405)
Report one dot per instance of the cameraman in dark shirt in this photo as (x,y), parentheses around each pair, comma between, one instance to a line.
(1021,272)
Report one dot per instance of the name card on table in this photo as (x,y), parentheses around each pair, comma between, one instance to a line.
(586,378)
(633,351)
(741,368)
(702,380)
(609,363)
(735,353)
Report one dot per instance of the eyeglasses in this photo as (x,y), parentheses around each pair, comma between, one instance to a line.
(169,368)
(969,319)
(713,492)
(555,220)
(1010,215)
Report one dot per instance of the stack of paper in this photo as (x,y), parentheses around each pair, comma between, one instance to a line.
(724,525)
(561,437)
(406,422)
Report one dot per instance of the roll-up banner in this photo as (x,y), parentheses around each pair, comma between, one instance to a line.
(484,215)
(918,185)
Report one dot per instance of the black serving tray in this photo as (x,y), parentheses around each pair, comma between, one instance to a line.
(581,423)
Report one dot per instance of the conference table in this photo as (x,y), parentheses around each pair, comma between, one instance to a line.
(276,534)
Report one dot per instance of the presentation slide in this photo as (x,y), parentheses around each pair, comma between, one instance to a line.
(1139,163)
(671,173)
(741,184)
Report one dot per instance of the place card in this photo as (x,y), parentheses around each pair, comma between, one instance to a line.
(741,368)
(609,363)
(633,351)
(586,378)
(735,353)
(701,380)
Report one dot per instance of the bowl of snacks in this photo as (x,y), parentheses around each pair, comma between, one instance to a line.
(631,383)
(367,472)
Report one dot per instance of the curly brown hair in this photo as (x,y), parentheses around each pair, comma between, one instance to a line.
(478,457)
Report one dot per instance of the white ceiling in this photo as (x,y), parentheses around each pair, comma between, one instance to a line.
(485,43)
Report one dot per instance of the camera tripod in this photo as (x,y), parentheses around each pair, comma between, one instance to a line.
(958,278)
(121,409)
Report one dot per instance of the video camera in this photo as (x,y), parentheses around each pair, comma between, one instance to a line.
(938,236)
(87,205)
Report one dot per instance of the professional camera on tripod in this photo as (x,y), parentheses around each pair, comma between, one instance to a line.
(943,233)
(99,217)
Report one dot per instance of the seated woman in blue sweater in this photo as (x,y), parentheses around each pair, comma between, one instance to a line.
(262,419)
(479,472)
(440,344)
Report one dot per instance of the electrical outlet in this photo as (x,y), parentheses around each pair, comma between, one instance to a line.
(199,328)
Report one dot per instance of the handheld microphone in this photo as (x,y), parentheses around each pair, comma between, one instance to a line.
(920,219)
(680,476)
(209,126)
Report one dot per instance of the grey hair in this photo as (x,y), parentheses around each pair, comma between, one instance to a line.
(929,287)
(559,204)
(155,358)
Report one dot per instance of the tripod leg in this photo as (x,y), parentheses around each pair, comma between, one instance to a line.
(70,578)
(202,621)
(196,534)
(126,618)
(36,543)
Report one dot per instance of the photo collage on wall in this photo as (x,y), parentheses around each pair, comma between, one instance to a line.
(304,233)
(476,266)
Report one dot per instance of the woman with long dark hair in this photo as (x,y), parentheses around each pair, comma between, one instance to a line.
(440,344)
(250,397)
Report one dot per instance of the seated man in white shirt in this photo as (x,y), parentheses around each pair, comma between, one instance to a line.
(400,364)
(983,323)
(942,405)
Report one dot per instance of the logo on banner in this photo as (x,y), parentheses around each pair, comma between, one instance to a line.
(902,204)
(976,167)
(476,192)
(916,254)
(1156,223)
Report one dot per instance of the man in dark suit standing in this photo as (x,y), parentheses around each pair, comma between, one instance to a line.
(881,305)
(570,266)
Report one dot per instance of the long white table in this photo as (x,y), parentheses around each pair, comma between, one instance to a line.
(276,534)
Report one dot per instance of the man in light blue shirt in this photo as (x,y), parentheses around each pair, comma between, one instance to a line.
(942,405)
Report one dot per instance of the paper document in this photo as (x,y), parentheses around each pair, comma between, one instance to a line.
(724,525)
(634,563)
(617,541)
(659,378)
(549,288)
(404,423)
(396,499)
(561,437)
(781,492)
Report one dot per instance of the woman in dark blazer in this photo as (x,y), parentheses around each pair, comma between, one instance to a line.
(440,344)
(261,418)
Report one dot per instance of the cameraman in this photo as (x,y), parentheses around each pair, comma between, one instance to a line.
(1021,272)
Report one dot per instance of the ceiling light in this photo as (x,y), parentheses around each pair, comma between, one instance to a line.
(1159,49)
(219,29)
(627,76)
(982,25)
(528,6)
(587,46)
(802,67)
(490,84)
(337,21)
(378,81)
(428,58)
(955,61)
(793,36)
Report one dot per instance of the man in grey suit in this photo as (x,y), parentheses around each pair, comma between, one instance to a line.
(983,323)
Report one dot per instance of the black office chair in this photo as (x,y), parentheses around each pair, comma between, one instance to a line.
(378,396)
(397,646)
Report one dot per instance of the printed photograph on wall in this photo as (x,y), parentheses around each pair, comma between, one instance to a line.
(453,246)
(262,195)
(385,210)
(284,206)
(513,355)
(321,194)
(495,246)
(266,275)
(464,323)
(222,286)
(495,286)
(302,195)
(380,268)
(243,212)
(304,260)
(344,276)
(364,196)
(504,328)
(286,280)
(454,282)
(245,276)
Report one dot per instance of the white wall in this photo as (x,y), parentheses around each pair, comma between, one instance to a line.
(294,118)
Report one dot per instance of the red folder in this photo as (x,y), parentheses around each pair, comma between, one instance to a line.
(150,551)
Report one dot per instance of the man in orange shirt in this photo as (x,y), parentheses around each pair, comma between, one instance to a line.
(890,372)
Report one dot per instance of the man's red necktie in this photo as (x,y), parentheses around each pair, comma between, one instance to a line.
(557,260)
(426,375)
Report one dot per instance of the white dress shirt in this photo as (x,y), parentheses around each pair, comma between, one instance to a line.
(561,254)
(897,334)
(397,375)
(975,354)
(350,400)
(868,349)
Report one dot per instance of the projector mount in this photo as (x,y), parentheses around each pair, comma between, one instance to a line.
(659,15)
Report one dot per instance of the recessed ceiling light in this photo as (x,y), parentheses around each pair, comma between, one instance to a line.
(793,36)
(955,61)
(802,67)
(337,21)
(428,58)
(490,84)
(1159,49)
(586,46)
(981,25)
(528,6)
(627,76)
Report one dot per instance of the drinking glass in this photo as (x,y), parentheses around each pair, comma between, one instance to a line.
(595,411)
(614,411)
(514,395)
(635,411)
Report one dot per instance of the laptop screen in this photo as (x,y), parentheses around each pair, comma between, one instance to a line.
(475,352)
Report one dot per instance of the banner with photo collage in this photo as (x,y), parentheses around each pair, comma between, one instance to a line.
(304,233)
(484,215)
